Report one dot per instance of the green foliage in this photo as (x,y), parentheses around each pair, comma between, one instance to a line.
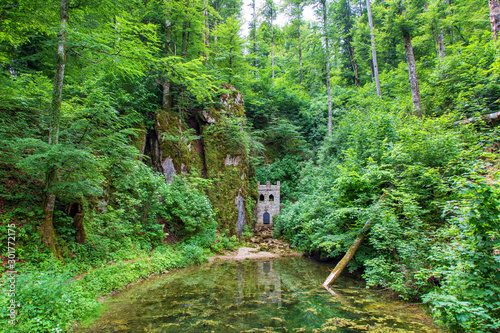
(435,232)
(48,300)
(466,80)
(465,261)
(51,297)
(285,170)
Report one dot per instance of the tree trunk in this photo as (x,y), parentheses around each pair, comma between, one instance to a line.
(47,227)
(272,44)
(412,72)
(348,256)
(327,55)
(206,39)
(353,61)
(299,10)
(352,250)
(440,38)
(441,44)
(254,36)
(184,40)
(374,50)
(164,82)
(165,95)
(328,88)
(494,18)
(350,48)
(75,210)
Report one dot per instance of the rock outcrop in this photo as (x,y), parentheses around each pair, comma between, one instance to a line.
(211,143)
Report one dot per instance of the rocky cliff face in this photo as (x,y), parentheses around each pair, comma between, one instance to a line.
(227,161)
(212,144)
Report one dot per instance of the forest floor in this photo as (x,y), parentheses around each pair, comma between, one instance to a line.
(261,246)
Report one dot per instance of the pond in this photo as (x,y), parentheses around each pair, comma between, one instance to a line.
(274,295)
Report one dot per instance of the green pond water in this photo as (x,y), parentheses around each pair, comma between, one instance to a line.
(277,295)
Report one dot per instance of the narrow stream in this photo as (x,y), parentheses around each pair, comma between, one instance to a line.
(278,295)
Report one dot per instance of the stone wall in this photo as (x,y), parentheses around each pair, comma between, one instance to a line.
(268,202)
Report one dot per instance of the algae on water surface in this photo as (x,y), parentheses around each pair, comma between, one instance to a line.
(275,295)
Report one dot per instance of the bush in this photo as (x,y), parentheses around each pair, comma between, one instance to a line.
(410,248)
(50,298)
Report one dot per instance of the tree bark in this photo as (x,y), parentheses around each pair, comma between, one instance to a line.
(350,48)
(75,210)
(272,43)
(299,14)
(254,37)
(165,95)
(440,38)
(412,72)
(327,56)
(374,51)
(441,44)
(495,18)
(328,87)
(206,39)
(47,227)
(354,64)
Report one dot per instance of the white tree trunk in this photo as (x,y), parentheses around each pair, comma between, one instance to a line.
(412,72)
(324,3)
(299,9)
(374,50)
(272,44)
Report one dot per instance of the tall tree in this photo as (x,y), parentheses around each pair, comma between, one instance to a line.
(410,56)
(401,18)
(440,37)
(253,33)
(295,10)
(343,17)
(269,13)
(47,227)
(374,49)
(412,72)
(229,49)
(323,12)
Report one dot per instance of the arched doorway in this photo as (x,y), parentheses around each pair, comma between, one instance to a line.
(267,218)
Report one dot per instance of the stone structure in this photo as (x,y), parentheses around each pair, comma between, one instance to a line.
(268,204)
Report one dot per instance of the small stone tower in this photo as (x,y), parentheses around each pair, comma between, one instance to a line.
(268,204)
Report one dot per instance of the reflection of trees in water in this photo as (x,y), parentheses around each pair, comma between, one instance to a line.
(238,296)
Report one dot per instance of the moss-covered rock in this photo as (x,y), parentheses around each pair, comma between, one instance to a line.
(221,155)
(228,164)
(178,155)
(139,140)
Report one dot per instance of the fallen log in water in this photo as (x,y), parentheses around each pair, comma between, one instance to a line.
(352,250)
(348,256)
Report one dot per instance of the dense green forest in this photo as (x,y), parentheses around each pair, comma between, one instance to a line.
(133,134)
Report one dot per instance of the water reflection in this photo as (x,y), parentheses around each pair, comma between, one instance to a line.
(266,296)
(268,283)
